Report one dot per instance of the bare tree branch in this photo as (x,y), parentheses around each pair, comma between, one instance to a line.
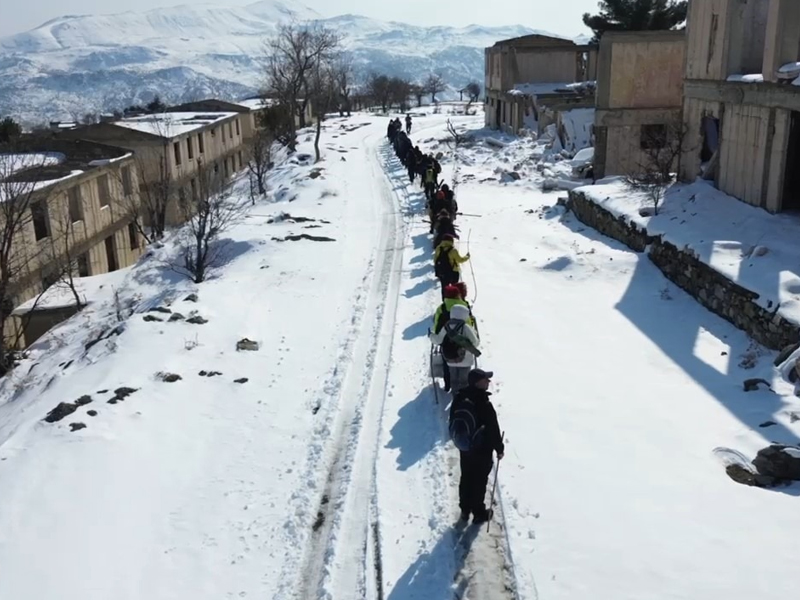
(661,147)
(210,211)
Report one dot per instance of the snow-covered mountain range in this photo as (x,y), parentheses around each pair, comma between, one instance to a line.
(73,65)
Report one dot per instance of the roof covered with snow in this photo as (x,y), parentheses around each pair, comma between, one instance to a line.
(173,124)
(256,103)
(60,296)
(539,89)
(45,162)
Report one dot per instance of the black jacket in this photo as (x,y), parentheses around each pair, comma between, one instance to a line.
(485,415)
(444,227)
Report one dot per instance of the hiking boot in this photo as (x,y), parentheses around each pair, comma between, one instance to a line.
(483,517)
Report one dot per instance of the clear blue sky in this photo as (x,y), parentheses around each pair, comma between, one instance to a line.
(561,16)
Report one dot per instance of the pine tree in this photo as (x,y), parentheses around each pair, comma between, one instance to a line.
(9,129)
(636,15)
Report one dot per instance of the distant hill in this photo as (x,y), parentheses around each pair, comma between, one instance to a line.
(77,64)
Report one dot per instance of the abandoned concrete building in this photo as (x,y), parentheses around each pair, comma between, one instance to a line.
(639,96)
(530,79)
(172,147)
(77,198)
(742,100)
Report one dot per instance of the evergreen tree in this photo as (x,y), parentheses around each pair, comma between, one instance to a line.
(156,105)
(636,15)
(9,129)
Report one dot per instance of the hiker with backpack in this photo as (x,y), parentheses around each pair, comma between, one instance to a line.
(412,163)
(408,123)
(449,202)
(447,262)
(429,179)
(476,433)
(453,294)
(458,343)
(443,226)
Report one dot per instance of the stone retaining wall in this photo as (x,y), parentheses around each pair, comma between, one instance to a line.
(716,292)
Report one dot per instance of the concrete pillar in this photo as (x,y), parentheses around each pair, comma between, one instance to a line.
(783,36)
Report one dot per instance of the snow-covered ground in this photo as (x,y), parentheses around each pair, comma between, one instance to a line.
(328,474)
(746,244)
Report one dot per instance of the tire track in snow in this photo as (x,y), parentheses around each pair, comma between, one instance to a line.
(335,562)
(485,568)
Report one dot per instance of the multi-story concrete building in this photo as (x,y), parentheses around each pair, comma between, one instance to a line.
(741,111)
(639,96)
(71,198)
(525,75)
(172,147)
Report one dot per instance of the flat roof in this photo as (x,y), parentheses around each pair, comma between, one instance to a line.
(172,124)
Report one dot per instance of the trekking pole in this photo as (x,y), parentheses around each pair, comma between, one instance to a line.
(494,486)
(472,271)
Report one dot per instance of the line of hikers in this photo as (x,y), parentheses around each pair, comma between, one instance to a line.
(473,422)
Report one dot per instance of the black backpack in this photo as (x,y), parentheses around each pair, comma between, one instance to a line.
(455,344)
(452,351)
(466,431)
(442,265)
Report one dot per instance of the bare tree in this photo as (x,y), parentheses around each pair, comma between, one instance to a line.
(418,92)
(400,90)
(64,260)
(661,146)
(473,89)
(292,57)
(22,208)
(342,76)
(260,162)
(379,90)
(157,187)
(433,85)
(322,91)
(156,190)
(209,211)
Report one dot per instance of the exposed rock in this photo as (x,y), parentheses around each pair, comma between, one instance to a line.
(303,236)
(83,400)
(160,309)
(316,173)
(745,476)
(248,345)
(241,380)
(191,298)
(152,319)
(77,426)
(779,461)
(785,353)
(794,417)
(124,392)
(523,260)
(102,391)
(751,385)
(59,412)
(113,400)
(209,373)
(168,377)
(91,413)
(766,424)
(197,320)
(176,317)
